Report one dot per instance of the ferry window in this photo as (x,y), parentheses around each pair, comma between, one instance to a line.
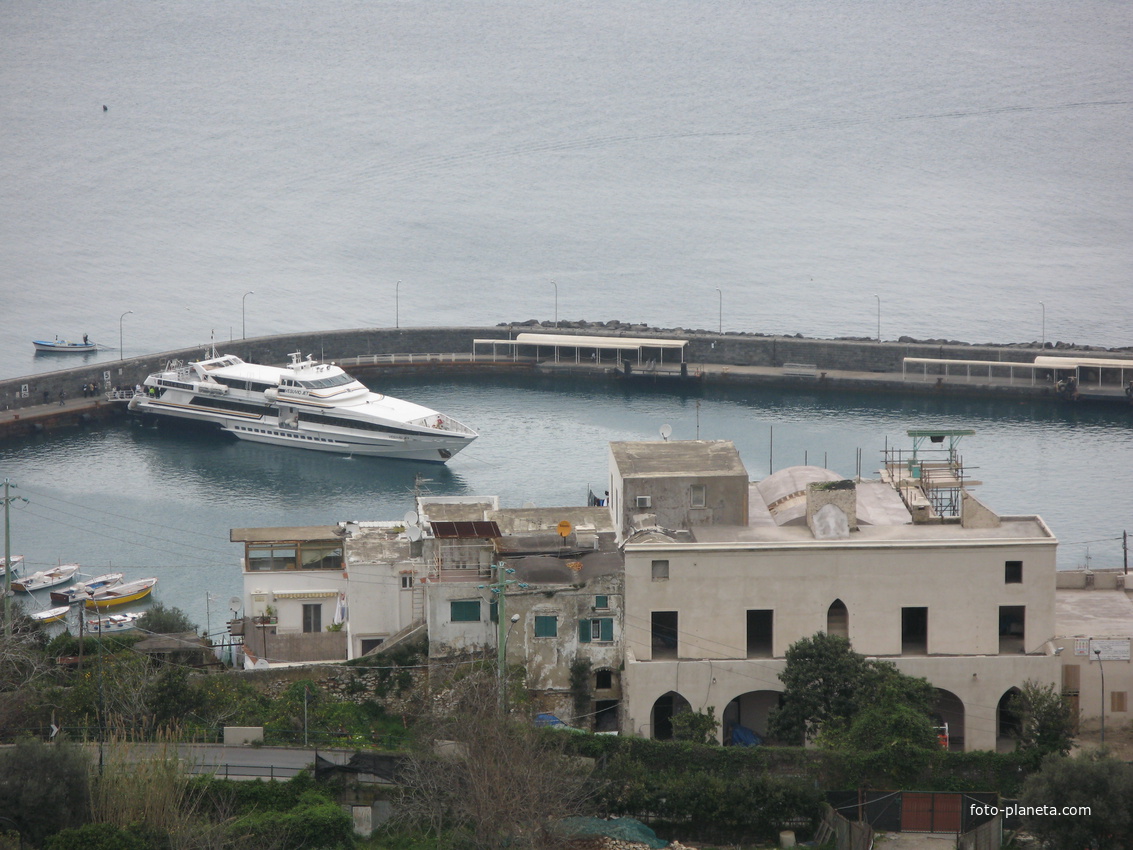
(546,625)
(270,557)
(312,617)
(322,556)
(464,611)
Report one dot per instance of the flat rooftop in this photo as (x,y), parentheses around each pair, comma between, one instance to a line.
(1011,528)
(1093,613)
(677,458)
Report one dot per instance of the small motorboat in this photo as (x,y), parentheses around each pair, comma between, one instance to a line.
(51,615)
(83,589)
(120,594)
(46,578)
(114,623)
(62,346)
(16,561)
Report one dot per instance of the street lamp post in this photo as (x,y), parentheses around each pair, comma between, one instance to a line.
(1041,304)
(397,305)
(1101,670)
(556,302)
(243,323)
(120,318)
(878,297)
(719,311)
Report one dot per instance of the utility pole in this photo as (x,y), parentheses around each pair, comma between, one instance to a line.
(8,558)
(1101,670)
(499,587)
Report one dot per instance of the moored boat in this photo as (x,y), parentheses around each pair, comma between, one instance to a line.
(120,594)
(51,615)
(46,578)
(17,560)
(82,589)
(305,404)
(114,623)
(62,346)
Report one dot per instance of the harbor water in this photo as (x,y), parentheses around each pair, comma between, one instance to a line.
(160,502)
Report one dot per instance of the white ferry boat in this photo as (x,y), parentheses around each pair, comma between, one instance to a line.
(305,404)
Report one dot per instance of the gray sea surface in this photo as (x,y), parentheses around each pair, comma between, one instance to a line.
(957,169)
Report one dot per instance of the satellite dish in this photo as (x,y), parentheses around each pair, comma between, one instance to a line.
(235,603)
(413,532)
(410,517)
(528,505)
(261,664)
(666,431)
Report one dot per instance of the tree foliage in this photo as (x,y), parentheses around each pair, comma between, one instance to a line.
(1046,720)
(827,685)
(44,787)
(699,727)
(166,621)
(1094,780)
(480,779)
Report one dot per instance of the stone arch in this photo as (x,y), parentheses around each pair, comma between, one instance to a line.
(661,715)
(1007,723)
(949,710)
(838,619)
(751,711)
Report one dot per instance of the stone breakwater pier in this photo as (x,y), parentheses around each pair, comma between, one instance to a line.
(74,396)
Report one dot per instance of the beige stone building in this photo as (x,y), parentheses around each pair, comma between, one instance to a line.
(910,567)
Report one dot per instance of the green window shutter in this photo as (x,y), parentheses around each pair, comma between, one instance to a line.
(494,611)
(606,629)
(464,611)
(546,626)
(601,602)
(584,631)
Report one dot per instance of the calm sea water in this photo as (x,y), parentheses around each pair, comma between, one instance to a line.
(160,502)
(962,167)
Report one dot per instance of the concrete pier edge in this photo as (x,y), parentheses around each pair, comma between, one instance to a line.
(32,402)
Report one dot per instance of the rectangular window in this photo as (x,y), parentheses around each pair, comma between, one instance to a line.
(697,496)
(663,625)
(406,582)
(644,501)
(601,603)
(321,556)
(914,631)
(1012,629)
(546,625)
(595,630)
(603,680)
(759,633)
(1013,572)
(370,644)
(312,617)
(464,611)
(1117,701)
(1071,678)
(660,571)
(271,557)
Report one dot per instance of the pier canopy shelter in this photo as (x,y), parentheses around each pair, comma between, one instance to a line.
(571,347)
(1097,365)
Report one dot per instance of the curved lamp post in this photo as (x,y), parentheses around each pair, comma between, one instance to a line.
(243,324)
(120,318)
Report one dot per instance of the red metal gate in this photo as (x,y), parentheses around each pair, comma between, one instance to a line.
(922,812)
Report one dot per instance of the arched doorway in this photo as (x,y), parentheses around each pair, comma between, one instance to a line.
(1008,724)
(838,619)
(661,717)
(749,711)
(949,712)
